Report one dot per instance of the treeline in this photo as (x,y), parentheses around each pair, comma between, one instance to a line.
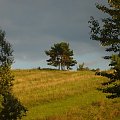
(80,67)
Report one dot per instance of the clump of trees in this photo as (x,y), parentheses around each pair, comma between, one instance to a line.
(82,67)
(10,107)
(61,56)
(107,32)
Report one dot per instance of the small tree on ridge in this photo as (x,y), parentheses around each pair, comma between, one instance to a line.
(61,56)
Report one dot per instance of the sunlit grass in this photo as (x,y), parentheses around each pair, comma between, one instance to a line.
(64,95)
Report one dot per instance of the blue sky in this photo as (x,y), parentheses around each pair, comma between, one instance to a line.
(33,26)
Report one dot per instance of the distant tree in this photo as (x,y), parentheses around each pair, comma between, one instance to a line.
(96,70)
(81,67)
(61,56)
(39,68)
(107,32)
(10,108)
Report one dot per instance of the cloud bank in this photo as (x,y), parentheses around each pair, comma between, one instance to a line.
(34,26)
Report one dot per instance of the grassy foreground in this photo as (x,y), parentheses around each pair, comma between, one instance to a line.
(64,95)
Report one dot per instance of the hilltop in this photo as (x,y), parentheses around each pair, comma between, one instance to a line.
(64,95)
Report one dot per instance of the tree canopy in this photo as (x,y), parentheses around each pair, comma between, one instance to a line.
(10,106)
(107,32)
(114,3)
(61,56)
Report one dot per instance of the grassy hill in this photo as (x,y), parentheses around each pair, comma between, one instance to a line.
(64,95)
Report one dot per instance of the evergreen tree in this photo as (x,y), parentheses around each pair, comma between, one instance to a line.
(114,3)
(81,66)
(61,56)
(107,32)
(10,108)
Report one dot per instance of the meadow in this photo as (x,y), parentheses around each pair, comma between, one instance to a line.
(64,95)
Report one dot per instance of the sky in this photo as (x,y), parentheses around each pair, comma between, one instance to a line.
(33,26)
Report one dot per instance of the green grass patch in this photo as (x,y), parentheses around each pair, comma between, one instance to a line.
(64,95)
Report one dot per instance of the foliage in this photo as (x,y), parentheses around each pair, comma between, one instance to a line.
(11,108)
(107,32)
(6,57)
(61,56)
(114,3)
(81,67)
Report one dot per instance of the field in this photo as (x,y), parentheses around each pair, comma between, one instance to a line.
(64,95)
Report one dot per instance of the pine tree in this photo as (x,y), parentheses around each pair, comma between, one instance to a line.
(10,108)
(107,32)
(61,56)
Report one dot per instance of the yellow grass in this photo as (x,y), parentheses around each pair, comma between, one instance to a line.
(63,95)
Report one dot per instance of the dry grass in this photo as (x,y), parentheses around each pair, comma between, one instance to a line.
(64,95)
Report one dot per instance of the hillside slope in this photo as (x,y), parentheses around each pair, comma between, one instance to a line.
(64,95)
